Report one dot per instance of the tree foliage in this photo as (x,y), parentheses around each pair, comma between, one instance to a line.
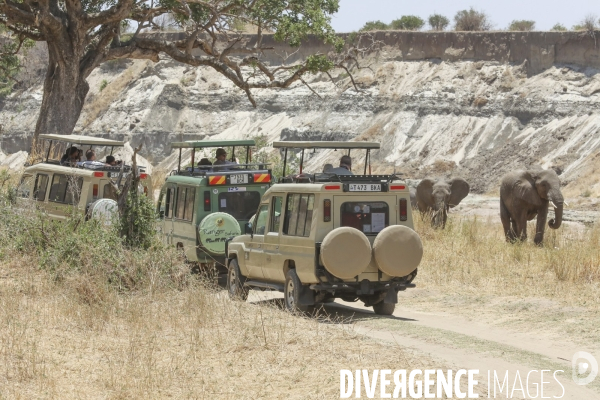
(10,60)
(82,34)
(438,22)
(374,26)
(522,25)
(472,20)
(588,23)
(408,23)
(559,27)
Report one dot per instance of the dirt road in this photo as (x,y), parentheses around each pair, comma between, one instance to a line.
(474,342)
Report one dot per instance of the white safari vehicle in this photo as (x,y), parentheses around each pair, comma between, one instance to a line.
(60,189)
(324,236)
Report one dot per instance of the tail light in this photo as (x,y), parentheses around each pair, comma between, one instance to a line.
(95,190)
(99,174)
(143,176)
(326,210)
(206,200)
(332,187)
(397,187)
(403,210)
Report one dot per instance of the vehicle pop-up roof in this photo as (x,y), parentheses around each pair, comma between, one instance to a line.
(368,146)
(204,144)
(83,141)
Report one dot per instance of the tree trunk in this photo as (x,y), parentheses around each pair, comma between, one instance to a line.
(65,90)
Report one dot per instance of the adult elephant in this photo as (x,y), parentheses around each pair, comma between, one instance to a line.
(525,195)
(439,196)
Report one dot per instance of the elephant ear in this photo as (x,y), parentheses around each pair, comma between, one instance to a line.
(425,191)
(524,189)
(459,189)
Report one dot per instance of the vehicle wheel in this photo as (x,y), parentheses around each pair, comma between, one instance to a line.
(382,308)
(291,293)
(235,282)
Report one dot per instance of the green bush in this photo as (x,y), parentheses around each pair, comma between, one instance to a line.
(103,84)
(438,22)
(559,28)
(472,20)
(374,26)
(522,25)
(408,23)
(137,222)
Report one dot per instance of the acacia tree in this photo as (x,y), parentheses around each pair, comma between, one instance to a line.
(82,34)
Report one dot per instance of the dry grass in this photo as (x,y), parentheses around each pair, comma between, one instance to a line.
(193,343)
(472,255)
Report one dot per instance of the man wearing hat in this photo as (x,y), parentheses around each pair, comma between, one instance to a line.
(222,158)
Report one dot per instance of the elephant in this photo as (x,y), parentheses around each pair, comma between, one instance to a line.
(438,196)
(525,195)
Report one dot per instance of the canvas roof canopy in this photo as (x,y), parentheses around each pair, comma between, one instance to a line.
(196,144)
(316,144)
(84,140)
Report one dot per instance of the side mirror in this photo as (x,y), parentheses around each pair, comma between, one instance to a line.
(248,228)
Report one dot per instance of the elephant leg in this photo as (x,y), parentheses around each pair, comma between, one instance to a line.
(542,215)
(513,229)
(521,222)
(505,218)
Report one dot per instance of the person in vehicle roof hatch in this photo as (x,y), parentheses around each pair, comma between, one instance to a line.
(90,161)
(345,167)
(222,159)
(71,156)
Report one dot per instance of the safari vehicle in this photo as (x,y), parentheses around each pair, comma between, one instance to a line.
(324,236)
(58,189)
(201,206)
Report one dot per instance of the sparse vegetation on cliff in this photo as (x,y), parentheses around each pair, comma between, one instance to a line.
(438,22)
(522,25)
(472,20)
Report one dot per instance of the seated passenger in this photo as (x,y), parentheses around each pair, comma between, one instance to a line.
(327,168)
(90,161)
(222,159)
(71,156)
(345,167)
(204,163)
(110,160)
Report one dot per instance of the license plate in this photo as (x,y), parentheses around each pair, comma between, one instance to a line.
(365,187)
(116,174)
(237,179)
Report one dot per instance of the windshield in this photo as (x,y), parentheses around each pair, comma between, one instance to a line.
(241,205)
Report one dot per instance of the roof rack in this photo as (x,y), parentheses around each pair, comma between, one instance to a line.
(332,177)
(200,144)
(202,170)
(84,140)
(315,144)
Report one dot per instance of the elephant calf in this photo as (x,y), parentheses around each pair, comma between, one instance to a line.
(525,195)
(438,196)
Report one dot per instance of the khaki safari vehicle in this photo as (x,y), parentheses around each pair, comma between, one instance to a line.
(59,188)
(325,235)
(202,206)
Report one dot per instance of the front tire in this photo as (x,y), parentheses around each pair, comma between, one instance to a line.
(291,293)
(235,282)
(382,308)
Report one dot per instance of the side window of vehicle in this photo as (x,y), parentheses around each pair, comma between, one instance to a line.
(185,203)
(25,186)
(65,189)
(298,216)
(261,220)
(169,202)
(41,186)
(275,214)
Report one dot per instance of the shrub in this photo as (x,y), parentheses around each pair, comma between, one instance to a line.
(374,26)
(408,23)
(589,23)
(438,22)
(103,84)
(472,20)
(559,27)
(522,25)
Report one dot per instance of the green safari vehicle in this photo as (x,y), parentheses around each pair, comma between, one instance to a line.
(201,206)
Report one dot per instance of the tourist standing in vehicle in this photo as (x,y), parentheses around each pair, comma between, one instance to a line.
(345,167)
(222,158)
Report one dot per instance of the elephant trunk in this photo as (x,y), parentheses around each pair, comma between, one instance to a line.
(557,202)
(439,217)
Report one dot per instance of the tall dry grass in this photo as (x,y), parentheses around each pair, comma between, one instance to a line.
(472,255)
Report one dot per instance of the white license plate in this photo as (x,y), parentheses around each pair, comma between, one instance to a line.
(237,179)
(116,174)
(365,187)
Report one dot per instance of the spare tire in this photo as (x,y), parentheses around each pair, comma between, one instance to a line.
(104,210)
(215,229)
(346,252)
(398,250)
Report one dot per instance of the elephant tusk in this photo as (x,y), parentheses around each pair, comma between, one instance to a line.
(566,204)
(552,204)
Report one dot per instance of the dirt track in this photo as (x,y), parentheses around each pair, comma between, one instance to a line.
(478,342)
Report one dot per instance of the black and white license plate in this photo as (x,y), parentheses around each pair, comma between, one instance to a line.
(116,174)
(237,179)
(365,187)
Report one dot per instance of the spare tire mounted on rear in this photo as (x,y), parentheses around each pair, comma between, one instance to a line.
(346,252)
